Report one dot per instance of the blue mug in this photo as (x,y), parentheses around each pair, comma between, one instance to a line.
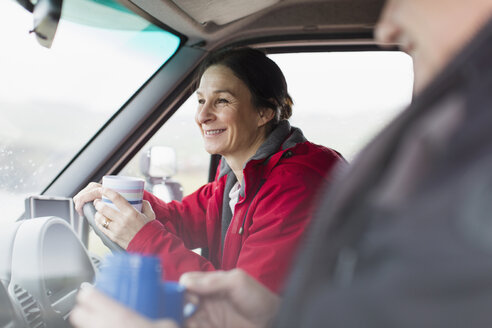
(135,281)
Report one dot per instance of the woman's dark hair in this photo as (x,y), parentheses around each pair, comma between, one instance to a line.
(260,74)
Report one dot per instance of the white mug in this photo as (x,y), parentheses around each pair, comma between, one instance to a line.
(129,187)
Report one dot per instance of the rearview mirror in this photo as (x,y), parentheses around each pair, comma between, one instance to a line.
(46,15)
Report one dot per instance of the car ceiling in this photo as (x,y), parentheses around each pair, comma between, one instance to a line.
(210,24)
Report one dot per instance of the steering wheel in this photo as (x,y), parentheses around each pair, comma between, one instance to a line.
(89,213)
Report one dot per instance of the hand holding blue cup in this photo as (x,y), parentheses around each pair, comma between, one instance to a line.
(135,281)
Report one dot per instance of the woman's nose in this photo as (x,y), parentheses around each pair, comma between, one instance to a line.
(204,113)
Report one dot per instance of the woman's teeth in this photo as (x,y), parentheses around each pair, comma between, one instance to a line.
(212,132)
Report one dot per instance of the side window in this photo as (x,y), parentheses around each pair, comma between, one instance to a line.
(341,100)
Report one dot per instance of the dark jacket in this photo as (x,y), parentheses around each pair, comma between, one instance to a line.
(405,240)
(275,204)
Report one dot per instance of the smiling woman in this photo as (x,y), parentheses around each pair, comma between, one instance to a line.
(229,122)
(50,111)
(253,214)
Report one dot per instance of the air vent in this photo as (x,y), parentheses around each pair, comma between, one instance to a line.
(30,307)
(96,262)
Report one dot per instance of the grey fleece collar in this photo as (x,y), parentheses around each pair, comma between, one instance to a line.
(283,136)
(271,145)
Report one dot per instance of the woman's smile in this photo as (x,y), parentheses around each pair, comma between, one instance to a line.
(213,133)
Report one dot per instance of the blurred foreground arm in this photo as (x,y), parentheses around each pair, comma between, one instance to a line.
(96,310)
(226,299)
(230,299)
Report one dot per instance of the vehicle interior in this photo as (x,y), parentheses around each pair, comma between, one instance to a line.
(46,255)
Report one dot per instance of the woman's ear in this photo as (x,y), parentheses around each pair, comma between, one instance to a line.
(265,115)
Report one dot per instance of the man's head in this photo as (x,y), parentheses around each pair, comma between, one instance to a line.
(431,31)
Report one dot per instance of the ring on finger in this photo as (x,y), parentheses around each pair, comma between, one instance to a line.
(106,224)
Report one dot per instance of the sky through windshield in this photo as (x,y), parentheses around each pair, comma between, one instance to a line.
(53,100)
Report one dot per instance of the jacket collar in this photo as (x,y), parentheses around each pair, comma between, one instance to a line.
(283,137)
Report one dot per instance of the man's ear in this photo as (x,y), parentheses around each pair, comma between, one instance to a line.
(265,115)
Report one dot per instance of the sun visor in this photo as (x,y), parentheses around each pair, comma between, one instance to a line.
(222,12)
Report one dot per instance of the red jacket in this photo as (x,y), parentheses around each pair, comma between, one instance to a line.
(276,207)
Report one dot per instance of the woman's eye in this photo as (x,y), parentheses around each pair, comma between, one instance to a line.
(201,101)
(222,101)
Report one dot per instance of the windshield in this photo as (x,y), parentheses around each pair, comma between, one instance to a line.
(52,101)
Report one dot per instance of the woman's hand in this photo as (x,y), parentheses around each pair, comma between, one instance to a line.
(123,224)
(120,226)
(96,310)
(90,193)
(230,299)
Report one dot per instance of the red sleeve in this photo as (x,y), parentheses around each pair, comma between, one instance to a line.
(176,258)
(185,219)
(179,227)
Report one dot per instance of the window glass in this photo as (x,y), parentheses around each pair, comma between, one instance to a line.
(52,101)
(342,99)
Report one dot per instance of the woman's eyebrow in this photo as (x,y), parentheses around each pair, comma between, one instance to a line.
(218,91)
(225,91)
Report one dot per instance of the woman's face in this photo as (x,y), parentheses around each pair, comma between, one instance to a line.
(231,126)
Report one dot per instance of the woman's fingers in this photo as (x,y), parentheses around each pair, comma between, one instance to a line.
(105,225)
(122,223)
(88,194)
(147,210)
(125,221)
(119,201)
(108,211)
